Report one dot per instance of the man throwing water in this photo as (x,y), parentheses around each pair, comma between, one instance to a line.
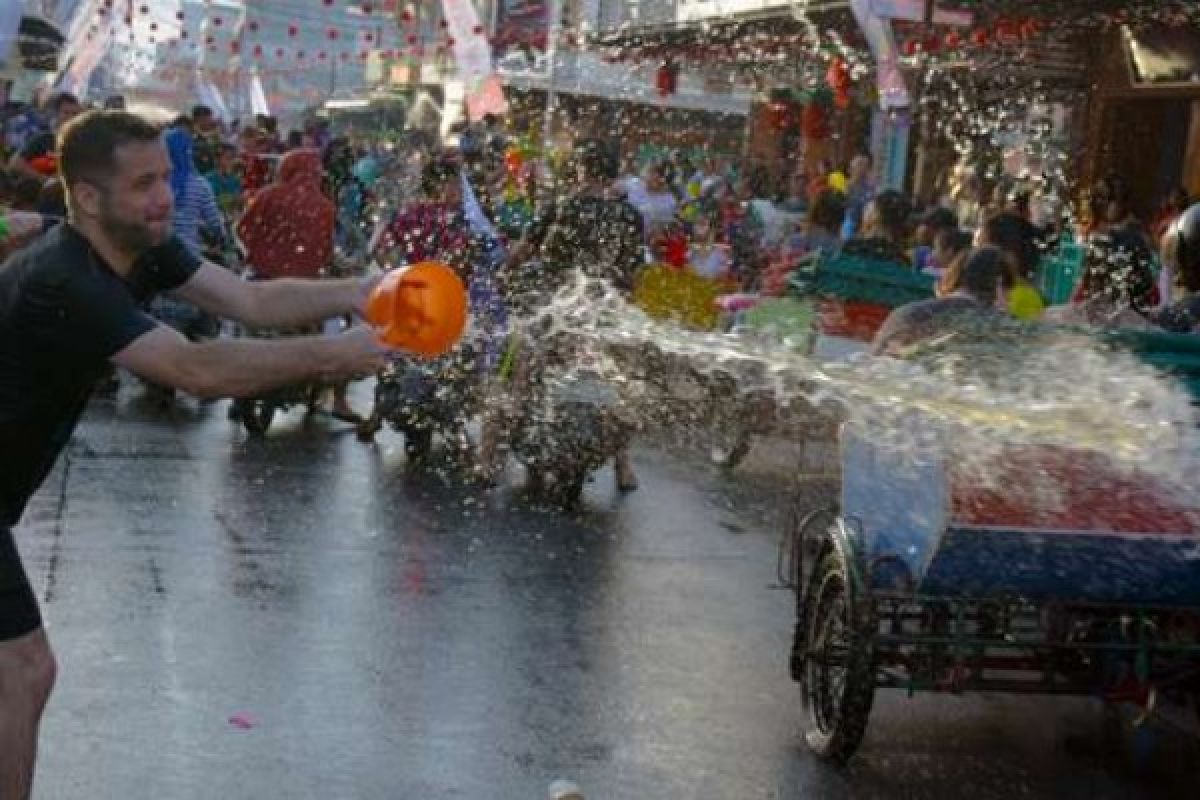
(70,303)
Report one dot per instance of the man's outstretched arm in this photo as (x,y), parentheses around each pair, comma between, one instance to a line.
(284,303)
(248,367)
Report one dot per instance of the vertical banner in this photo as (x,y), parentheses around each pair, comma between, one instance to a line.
(877,29)
(10,23)
(473,54)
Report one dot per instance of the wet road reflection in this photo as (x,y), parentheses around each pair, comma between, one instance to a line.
(377,633)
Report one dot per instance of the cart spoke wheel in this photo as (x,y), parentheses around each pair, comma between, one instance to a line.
(839,677)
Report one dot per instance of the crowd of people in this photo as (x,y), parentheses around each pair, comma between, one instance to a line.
(101,212)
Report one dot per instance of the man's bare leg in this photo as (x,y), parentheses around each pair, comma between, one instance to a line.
(27,671)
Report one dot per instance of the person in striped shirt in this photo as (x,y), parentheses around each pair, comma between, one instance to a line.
(196,213)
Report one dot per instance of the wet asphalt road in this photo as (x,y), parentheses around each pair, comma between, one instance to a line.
(302,617)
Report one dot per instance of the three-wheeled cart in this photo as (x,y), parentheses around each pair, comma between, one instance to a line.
(1030,569)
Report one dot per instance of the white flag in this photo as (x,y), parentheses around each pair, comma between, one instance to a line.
(258,97)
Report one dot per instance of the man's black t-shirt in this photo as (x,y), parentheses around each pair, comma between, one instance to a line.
(63,314)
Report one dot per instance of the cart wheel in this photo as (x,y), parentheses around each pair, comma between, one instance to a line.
(839,673)
(256,416)
(798,546)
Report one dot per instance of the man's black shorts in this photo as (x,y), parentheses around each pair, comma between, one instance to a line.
(19,613)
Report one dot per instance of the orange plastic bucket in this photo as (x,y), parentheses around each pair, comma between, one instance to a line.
(421,309)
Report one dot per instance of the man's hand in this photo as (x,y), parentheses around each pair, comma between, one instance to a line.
(365,287)
(361,353)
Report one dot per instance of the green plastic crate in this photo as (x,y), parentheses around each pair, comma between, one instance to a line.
(1059,272)
(862,280)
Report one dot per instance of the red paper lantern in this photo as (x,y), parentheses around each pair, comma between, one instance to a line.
(980,37)
(932,44)
(1030,28)
(666,79)
(953,40)
(406,16)
(293,30)
(450,41)
(838,75)
(332,33)
(911,46)
(258,51)
(411,38)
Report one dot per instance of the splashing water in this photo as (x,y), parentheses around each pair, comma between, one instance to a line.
(973,397)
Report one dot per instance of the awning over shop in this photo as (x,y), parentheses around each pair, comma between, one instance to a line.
(39,43)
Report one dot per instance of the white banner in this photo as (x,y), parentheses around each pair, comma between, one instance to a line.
(474,57)
(11,12)
(893,93)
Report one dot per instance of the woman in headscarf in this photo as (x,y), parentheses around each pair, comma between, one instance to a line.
(196,211)
(288,226)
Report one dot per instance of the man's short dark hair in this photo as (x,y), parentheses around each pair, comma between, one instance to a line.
(828,210)
(953,239)
(62,99)
(87,145)
(1011,232)
(939,219)
(893,210)
(201,111)
(983,272)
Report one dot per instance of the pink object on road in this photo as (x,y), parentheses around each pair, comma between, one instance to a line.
(243,721)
